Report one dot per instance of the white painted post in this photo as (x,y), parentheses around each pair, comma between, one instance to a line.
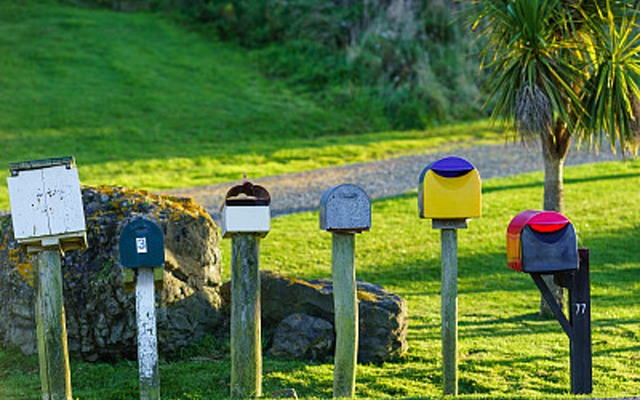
(147,342)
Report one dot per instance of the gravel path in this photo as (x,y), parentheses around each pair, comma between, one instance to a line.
(298,192)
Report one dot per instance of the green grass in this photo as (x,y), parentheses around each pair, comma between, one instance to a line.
(506,350)
(145,102)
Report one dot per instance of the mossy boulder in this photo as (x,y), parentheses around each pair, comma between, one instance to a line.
(100,314)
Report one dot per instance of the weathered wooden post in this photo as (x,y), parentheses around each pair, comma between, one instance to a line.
(142,256)
(48,218)
(345,210)
(246,219)
(449,193)
(544,243)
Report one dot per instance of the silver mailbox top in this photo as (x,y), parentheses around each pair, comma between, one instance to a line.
(346,208)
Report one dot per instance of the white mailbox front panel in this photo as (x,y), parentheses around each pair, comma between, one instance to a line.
(46,202)
(245,219)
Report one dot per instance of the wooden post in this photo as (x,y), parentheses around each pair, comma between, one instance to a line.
(580,316)
(449,243)
(55,374)
(147,340)
(246,346)
(346,314)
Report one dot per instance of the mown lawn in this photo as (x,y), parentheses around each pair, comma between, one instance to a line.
(506,350)
(143,101)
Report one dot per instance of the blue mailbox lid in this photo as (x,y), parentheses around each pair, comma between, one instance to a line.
(141,245)
(451,167)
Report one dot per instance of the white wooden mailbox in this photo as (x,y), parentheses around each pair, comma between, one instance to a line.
(46,204)
(246,210)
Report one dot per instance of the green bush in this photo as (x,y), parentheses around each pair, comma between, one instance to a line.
(409,57)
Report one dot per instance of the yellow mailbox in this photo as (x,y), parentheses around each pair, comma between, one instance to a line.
(450,189)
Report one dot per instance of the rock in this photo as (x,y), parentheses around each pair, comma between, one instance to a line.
(382,314)
(303,337)
(100,315)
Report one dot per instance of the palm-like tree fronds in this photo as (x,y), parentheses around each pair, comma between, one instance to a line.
(529,45)
(612,90)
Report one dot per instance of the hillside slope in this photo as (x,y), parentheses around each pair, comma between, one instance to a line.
(127,93)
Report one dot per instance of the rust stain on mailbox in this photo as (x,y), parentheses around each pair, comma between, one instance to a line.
(345,208)
(246,210)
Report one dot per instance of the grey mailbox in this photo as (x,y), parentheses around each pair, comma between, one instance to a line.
(345,208)
(547,252)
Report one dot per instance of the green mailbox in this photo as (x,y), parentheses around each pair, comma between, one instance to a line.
(141,245)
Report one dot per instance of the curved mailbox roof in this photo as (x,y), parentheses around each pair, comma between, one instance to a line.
(345,207)
(449,167)
(247,194)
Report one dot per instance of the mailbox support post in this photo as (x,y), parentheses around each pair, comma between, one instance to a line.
(142,254)
(580,317)
(578,326)
(246,346)
(53,354)
(346,314)
(48,218)
(449,245)
(147,339)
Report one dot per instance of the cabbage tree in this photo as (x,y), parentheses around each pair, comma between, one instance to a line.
(561,70)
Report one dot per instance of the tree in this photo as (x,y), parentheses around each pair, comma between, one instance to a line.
(559,70)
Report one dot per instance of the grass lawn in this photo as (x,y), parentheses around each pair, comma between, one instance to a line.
(144,102)
(506,350)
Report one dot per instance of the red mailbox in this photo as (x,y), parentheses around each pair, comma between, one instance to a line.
(541,242)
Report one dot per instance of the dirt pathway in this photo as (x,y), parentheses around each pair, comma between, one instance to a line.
(298,192)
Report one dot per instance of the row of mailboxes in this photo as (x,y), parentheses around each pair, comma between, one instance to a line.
(46,203)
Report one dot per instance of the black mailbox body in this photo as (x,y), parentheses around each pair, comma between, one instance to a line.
(548,252)
(141,245)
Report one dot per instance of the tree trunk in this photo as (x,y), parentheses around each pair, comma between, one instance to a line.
(554,151)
